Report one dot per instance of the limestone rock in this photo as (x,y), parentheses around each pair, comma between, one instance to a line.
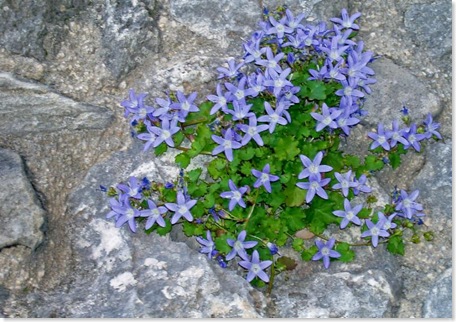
(439,301)
(20,211)
(31,108)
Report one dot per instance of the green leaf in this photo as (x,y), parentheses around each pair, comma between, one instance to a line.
(216,167)
(395,160)
(373,163)
(246,153)
(209,201)
(246,168)
(308,253)
(197,189)
(295,195)
(182,160)
(298,244)
(194,175)
(286,150)
(221,244)
(192,229)
(395,245)
(162,148)
(293,218)
(346,254)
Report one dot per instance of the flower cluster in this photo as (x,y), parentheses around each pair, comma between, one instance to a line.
(272,129)
(410,136)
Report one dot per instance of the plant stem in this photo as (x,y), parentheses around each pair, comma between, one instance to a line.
(271,280)
(194,122)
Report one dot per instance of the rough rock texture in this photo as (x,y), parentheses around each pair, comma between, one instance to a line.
(64,70)
(20,211)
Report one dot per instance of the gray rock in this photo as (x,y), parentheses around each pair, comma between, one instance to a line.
(435,181)
(129,34)
(435,37)
(338,295)
(30,108)
(20,211)
(217,19)
(121,274)
(23,27)
(396,86)
(439,301)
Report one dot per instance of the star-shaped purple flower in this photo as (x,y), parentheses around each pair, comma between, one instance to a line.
(273,117)
(349,214)
(397,135)
(133,189)
(347,21)
(235,195)
(345,182)
(413,138)
(264,178)
(407,204)
(153,214)
(431,128)
(313,169)
(185,105)
(126,214)
(220,100)
(227,144)
(208,245)
(256,267)
(325,251)
(165,133)
(181,208)
(326,118)
(380,138)
(314,186)
(375,231)
(239,246)
(252,131)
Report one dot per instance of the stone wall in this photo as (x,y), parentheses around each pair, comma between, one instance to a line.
(64,68)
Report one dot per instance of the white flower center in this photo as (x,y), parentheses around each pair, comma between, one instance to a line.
(333,73)
(327,120)
(342,122)
(334,55)
(375,231)
(344,184)
(325,251)
(280,28)
(252,131)
(238,245)
(185,106)
(142,112)
(155,212)
(406,203)
(308,42)
(255,268)
(264,177)
(272,64)
(182,209)
(239,94)
(348,91)
(381,139)
(133,191)
(274,118)
(313,168)
(349,215)
(130,213)
(165,134)
(411,138)
(227,144)
(314,185)
(236,195)
(387,225)
(278,83)
(222,100)
(396,136)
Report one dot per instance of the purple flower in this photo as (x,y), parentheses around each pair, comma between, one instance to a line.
(154,214)
(264,178)
(232,71)
(256,82)
(397,135)
(413,138)
(313,168)
(126,214)
(220,100)
(431,128)
(278,81)
(349,91)
(293,22)
(208,246)
(150,137)
(181,208)
(272,62)
(235,195)
(335,51)
(407,204)
(345,182)
(165,133)
(252,131)
(347,21)
(255,267)
(185,105)
(361,185)
(326,118)
(349,215)
(278,27)
(325,251)
(273,249)
(227,144)
(113,202)
(239,246)
(388,221)
(134,102)
(314,186)
(380,138)
(344,121)
(253,51)
(375,231)
(165,106)
(241,110)
(133,189)
(273,117)
(239,92)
